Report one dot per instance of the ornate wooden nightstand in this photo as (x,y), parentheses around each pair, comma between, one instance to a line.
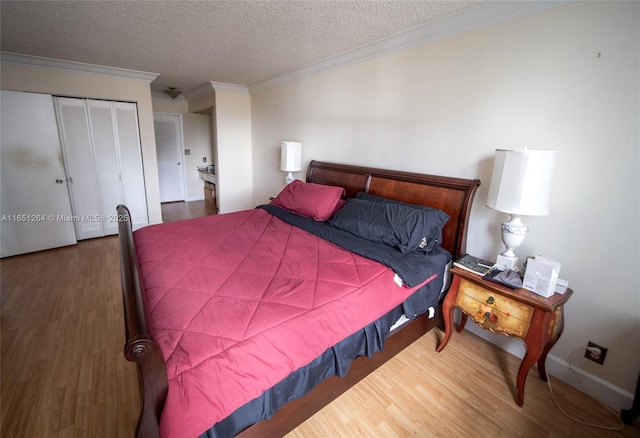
(535,320)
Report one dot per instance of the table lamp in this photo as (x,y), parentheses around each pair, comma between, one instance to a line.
(291,158)
(520,186)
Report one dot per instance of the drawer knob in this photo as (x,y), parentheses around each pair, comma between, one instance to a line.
(491,300)
(491,317)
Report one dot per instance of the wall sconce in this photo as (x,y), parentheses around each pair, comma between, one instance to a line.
(520,186)
(291,158)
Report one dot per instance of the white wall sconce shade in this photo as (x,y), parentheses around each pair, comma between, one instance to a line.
(291,158)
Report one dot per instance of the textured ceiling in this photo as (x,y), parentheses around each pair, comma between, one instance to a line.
(190,43)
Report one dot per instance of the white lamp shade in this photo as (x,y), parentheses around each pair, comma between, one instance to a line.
(521,181)
(291,156)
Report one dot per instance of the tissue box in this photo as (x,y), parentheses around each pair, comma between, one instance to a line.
(541,276)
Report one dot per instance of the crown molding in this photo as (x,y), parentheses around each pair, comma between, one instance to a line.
(212,86)
(231,88)
(77,67)
(482,15)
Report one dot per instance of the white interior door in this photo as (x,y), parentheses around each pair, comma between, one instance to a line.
(35,207)
(78,152)
(101,145)
(128,136)
(106,161)
(169,147)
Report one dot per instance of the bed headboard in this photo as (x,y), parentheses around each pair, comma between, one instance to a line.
(452,195)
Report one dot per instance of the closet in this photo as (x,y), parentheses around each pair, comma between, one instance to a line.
(34,200)
(101,151)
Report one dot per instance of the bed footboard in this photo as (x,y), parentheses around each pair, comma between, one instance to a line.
(139,347)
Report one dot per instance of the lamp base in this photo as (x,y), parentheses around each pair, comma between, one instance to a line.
(507,262)
(289,179)
(513,234)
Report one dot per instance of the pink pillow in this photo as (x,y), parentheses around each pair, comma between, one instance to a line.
(316,201)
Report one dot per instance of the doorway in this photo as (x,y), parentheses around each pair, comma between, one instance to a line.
(169,151)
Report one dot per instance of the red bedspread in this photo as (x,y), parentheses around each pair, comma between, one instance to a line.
(238,301)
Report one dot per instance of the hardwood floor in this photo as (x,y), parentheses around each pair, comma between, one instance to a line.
(175,211)
(64,373)
(467,391)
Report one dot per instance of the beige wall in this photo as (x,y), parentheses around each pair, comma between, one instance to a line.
(53,81)
(231,118)
(233,150)
(566,79)
(198,138)
(203,104)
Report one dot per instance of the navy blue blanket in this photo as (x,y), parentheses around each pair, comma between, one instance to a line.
(413,267)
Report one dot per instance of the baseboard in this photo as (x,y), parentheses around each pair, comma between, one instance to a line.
(607,393)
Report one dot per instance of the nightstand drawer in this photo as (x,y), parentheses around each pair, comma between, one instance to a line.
(490,318)
(509,307)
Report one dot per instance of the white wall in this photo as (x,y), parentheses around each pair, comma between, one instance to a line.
(230,109)
(198,139)
(566,79)
(233,150)
(16,77)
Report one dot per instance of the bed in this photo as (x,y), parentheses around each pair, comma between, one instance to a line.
(306,292)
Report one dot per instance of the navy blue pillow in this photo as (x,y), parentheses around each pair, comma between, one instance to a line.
(439,218)
(403,226)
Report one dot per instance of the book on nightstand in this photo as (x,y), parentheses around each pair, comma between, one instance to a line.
(473,264)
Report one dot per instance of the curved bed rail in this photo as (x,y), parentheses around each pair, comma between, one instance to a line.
(139,346)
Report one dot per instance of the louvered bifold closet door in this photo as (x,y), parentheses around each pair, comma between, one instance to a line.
(128,137)
(73,125)
(101,119)
(101,145)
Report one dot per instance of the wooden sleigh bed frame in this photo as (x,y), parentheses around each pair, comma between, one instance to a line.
(452,195)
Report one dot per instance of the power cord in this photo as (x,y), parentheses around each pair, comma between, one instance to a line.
(598,426)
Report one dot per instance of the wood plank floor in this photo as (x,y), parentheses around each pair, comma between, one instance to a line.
(175,211)
(63,373)
(467,390)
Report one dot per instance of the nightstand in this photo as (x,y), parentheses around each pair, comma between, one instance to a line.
(535,320)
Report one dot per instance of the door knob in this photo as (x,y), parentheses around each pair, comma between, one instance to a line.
(59,181)
(178,163)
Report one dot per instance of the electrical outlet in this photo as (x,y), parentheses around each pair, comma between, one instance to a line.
(595,353)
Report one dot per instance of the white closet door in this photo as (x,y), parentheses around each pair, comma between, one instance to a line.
(73,125)
(35,204)
(106,161)
(135,195)
(103,157)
